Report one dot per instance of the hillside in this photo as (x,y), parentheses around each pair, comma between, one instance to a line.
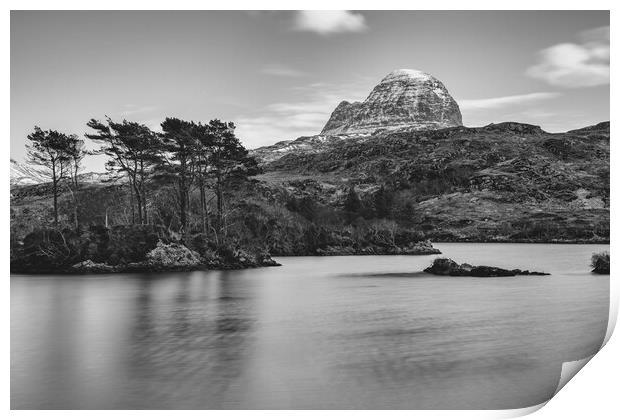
(502,182)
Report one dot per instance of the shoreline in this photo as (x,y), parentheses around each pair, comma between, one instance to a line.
(530,242)
(101,268)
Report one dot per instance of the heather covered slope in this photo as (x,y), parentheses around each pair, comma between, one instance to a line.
(502,182)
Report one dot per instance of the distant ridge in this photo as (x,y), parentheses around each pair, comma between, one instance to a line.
(23,174)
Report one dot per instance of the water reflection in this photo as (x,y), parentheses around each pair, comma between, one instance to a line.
(188,339)
(335,332)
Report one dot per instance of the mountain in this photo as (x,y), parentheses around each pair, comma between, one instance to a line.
(404,98)
(23,174)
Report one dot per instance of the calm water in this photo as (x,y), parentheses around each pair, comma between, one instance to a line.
(319,332)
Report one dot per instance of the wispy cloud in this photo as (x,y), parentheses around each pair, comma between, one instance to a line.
(327,22)
(574,65)
(504,101)
(306,116)
(280,70)
(132,109)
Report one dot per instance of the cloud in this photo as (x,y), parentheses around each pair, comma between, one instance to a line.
(504,101)
(574,65)
(326,22)
(307,116)
(281,71)
(132,109)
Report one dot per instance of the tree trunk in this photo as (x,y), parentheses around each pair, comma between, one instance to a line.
(143,193)
(139,206)
(183,195)
(203,207)
(136,191)
(75,177)
(218,190)
(55,188)
(182,205)
(146,220)
(133,213)
(75,215)
(55,191)
(76,203)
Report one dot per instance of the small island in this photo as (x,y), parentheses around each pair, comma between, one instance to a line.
(448,267)
(600,263)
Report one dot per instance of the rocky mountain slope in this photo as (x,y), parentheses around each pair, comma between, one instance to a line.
(404,98)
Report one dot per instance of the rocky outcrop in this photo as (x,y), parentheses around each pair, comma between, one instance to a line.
(92,267)
(403,99)
(600,263)
(447,267)
(173,255)
(342,115)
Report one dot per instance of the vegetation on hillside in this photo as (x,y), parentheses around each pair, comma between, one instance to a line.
(506,182)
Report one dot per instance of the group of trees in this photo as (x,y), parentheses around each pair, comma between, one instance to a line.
(379,204)
(62,155)
(186,155)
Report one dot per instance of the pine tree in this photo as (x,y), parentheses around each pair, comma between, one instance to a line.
(227,163)
(50,148)
(75,153)
(181,148)
(133,150)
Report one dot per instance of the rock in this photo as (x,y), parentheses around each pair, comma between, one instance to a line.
(600,263)
(403,99)
(448,267)
(265,260)
(173,255)
(89,266)
(420,248)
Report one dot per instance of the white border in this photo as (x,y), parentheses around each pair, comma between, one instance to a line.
(592,395)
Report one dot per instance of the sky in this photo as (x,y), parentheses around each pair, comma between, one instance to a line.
(279,75)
